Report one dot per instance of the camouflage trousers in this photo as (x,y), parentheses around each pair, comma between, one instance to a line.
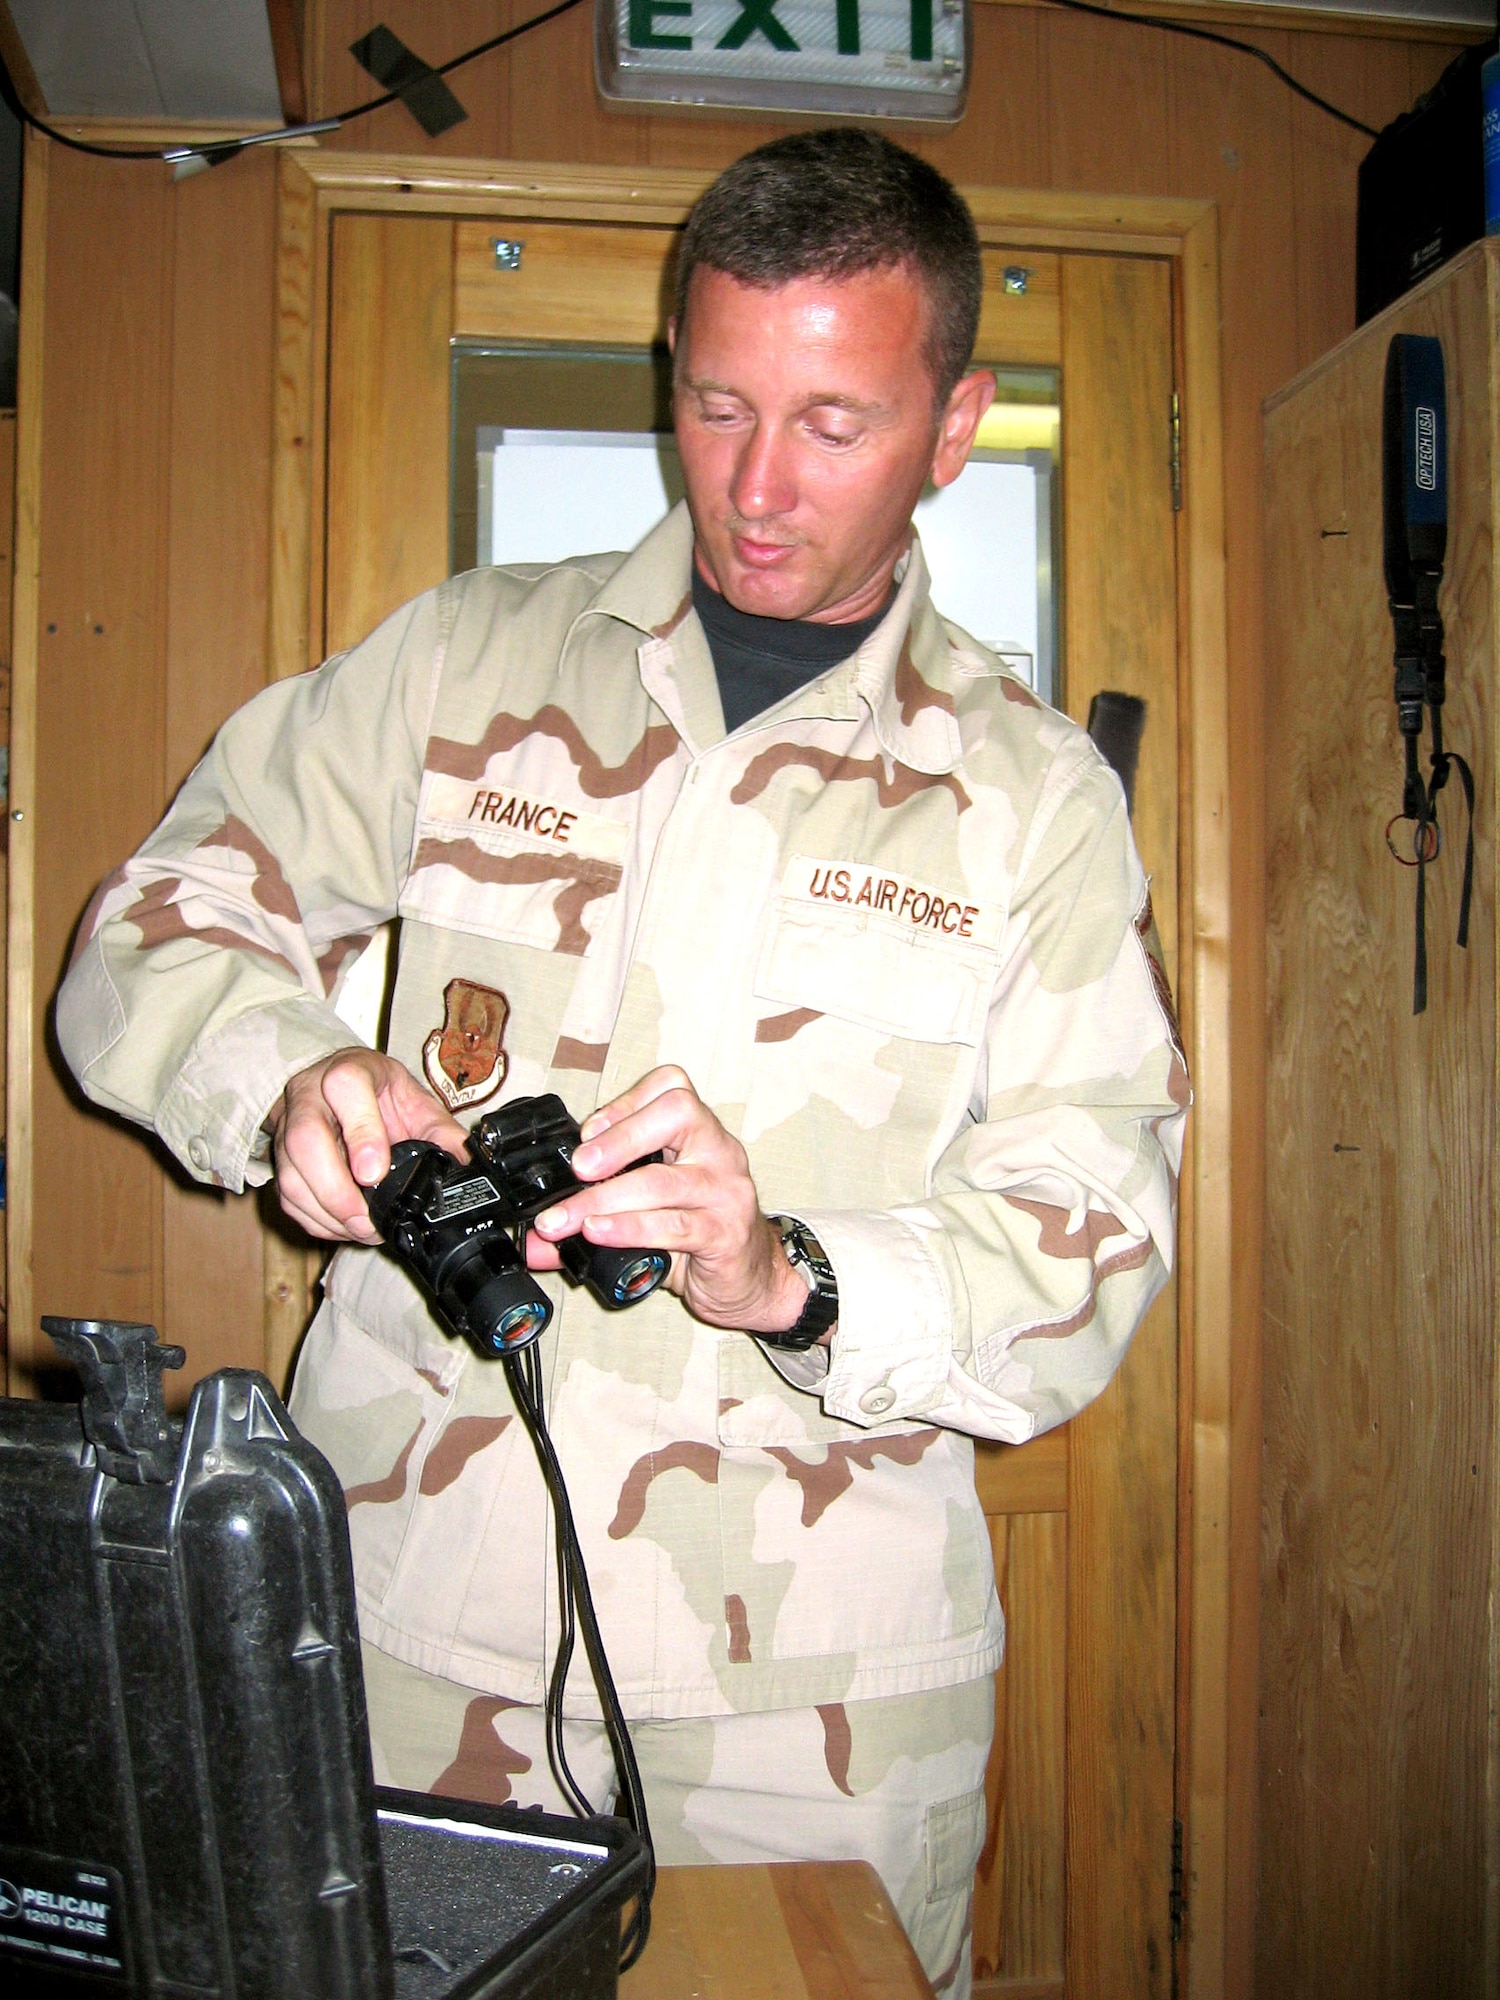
(898,1783)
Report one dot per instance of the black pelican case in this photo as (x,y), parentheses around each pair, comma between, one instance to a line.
(187,1807)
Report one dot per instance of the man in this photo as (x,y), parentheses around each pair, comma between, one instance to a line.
(739,847)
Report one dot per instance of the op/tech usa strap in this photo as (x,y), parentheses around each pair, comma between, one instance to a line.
(1415,463)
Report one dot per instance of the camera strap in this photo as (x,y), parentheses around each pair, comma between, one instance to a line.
(1415,482)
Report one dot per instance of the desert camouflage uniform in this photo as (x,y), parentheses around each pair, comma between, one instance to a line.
(896,932)
(898,1783)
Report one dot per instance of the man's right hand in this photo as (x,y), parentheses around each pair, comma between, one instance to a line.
(332,1130)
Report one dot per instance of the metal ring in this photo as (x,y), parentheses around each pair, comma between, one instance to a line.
(1418,859)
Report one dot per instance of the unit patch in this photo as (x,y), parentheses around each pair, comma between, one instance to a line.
(465,1059)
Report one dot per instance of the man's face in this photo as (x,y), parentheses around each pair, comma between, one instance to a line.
(807,431)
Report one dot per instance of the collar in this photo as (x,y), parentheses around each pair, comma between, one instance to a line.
(904,673)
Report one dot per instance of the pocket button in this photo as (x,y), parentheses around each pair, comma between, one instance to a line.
(875,1402)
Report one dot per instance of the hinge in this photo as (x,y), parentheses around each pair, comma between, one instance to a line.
(1176,453)
(1177,1902)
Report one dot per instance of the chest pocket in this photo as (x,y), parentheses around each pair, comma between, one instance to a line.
(868,1045)
(903,979)
(528,870)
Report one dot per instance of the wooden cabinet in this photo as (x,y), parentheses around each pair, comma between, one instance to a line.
(1380,1673)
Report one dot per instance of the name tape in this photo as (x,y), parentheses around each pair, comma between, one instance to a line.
(855,885)
(480,808)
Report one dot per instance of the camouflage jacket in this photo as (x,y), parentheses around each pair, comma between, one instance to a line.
(896,932)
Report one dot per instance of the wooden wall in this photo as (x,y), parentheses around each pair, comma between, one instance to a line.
(155,414)
(157,379)
(1380,1861)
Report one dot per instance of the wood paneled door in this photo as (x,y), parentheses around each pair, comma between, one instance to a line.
(1109,1536)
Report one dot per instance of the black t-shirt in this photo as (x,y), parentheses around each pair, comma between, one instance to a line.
(760,661)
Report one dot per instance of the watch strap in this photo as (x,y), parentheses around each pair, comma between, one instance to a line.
(806,1255)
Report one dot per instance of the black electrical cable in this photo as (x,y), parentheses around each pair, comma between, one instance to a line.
(528,1395)
(523,1372)
(1197,34)
(217,150)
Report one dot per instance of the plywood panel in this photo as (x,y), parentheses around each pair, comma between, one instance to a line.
(1023,1478)
(571,124)
(1231,136)
(22,1337)
(555,293)
(100,689)
(1033,1807)
(1378,1820)
(1120,584)
(1121,614)
(388,417)
(1002,146)
(217,571)
(1020,1890)
(1021,326)
(1091,63)
(7,574)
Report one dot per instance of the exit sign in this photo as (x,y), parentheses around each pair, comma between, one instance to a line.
(867,58)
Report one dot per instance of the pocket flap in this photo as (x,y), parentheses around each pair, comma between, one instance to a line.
(863,968)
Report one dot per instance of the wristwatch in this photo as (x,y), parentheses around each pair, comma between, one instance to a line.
(806,1256)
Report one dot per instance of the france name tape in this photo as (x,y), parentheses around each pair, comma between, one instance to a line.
(855,885)
(482,808)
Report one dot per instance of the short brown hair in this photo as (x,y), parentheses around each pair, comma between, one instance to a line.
(833,204)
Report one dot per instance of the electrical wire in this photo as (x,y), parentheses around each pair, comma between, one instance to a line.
(1198,34)
(523,1373)
(215,151)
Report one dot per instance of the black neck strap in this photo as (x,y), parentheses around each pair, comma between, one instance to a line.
(1415,469)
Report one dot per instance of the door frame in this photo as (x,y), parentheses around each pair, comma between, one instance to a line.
(315,186)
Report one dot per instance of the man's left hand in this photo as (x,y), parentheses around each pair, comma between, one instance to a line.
(699,1203)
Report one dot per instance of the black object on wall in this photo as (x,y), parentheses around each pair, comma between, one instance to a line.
(1421,188)
(1116,723)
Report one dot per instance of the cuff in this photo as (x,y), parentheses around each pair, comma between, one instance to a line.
(807,1369)
(211,1117)
(889,1356)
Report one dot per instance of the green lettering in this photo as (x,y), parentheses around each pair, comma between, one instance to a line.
(760,14)
(643,15)
(921,30)
(847,15)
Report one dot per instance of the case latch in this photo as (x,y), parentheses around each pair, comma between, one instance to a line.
(124,1411)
